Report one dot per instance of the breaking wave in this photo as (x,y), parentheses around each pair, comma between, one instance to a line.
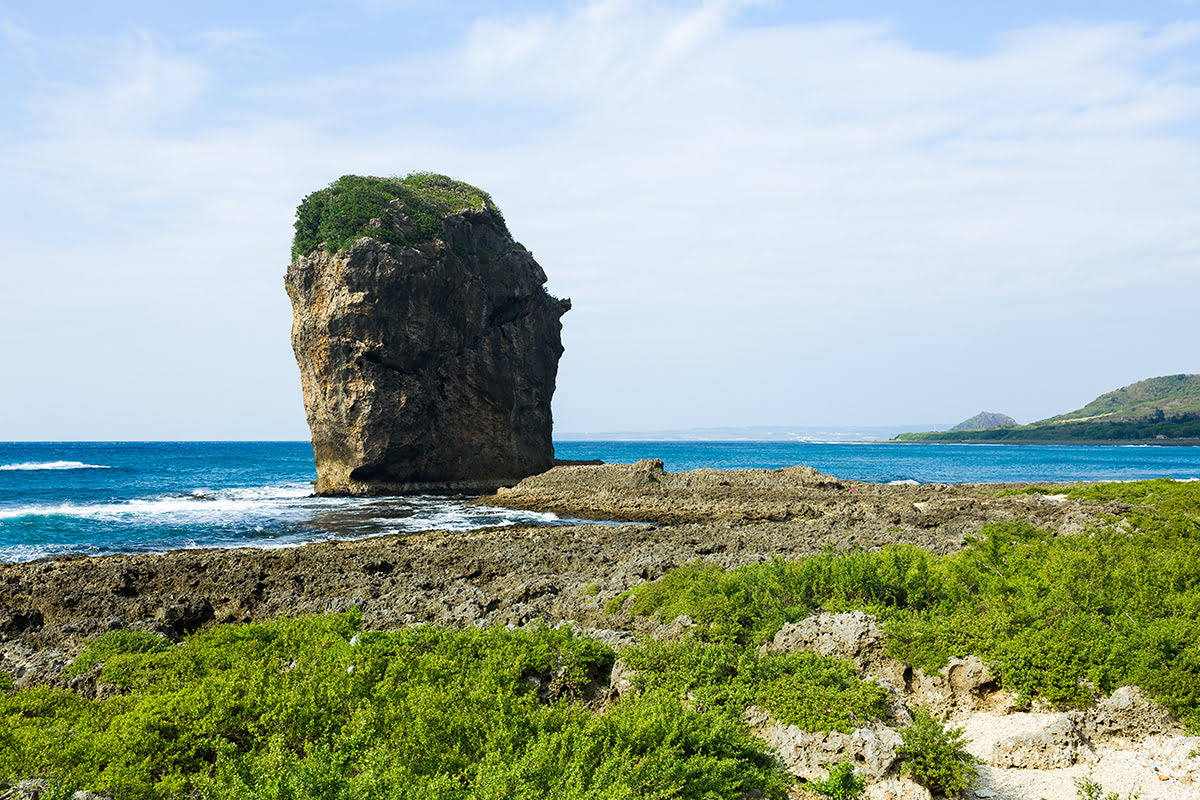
(50,465)
(261,517)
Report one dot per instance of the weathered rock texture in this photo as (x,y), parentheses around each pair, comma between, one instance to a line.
(645,492)
(427,368)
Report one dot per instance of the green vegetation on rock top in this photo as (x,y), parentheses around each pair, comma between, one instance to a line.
(401,211)
(1167,407)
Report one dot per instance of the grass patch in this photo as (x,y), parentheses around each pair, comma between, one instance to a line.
(810,691)
(317,708)
(115,644)
(400,211)
(1053,615)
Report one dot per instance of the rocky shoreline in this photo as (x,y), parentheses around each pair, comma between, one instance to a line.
(550,574)
(505,575)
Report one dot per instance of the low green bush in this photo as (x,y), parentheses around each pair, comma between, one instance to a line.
(841,784)
(808,690)
(935,756)
(1056,617)
(117,643)
(318,708)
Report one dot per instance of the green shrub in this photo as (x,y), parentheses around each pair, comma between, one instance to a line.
(808,690)
(336,216)
(936,757)
(1053,616)
(841,784)
(318,708)
(1090,789)
(654,747)
(117,643)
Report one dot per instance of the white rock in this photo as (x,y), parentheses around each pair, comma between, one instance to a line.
(896,789)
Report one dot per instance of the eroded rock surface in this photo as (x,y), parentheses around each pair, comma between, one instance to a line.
(427,368)
(810,755)
(645,492)
(1127,714)
(1055,744)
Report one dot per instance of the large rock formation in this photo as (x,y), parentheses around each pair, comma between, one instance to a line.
(427,345)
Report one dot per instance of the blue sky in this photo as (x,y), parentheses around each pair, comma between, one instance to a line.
(765,213)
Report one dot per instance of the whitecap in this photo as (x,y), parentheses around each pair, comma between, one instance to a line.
(195,507)
(50,465)
(904,482)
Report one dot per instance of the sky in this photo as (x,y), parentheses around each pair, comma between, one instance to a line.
(788,213)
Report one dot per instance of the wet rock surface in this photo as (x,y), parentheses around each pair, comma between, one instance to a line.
(815,502)
(427,369)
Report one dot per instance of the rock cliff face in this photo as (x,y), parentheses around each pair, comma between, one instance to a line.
(427,362)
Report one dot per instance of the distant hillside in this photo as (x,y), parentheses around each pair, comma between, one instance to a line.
(1170,394)
(1165,408)
(985,419)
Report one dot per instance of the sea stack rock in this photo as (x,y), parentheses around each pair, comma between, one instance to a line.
(427,345)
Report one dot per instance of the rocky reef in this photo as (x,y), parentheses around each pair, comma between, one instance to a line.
(816,505)
(428,347)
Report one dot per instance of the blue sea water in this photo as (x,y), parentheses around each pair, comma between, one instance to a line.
(919,462)
(94,498)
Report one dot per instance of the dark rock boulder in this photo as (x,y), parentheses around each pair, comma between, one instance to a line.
(428,347)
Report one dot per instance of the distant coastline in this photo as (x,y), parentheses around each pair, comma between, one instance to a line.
(1162,411)
(817,434)
(1055,442)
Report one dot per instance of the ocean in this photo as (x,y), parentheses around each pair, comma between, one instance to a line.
(96,498)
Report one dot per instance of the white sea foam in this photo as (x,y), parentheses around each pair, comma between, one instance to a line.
(264,517)
(50,465)
(198,506)
(904,482)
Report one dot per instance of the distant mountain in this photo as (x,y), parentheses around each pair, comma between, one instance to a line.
(1171,394)
(1153,410)
(985,419)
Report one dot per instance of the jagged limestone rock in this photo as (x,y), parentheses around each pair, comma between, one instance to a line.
(428,347)
(1055,745)
(1127,714)
(810,755)
(896,789)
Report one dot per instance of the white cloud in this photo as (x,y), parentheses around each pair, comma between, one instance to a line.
(730,207)
(17,37)
(139,82)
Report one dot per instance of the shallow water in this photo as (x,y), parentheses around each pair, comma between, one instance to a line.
(95,498)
